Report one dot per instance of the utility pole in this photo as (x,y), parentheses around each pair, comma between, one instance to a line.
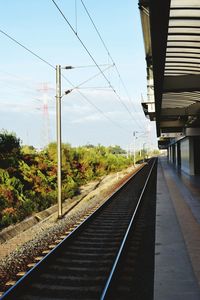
(134,138)
(144,151)
(58,132)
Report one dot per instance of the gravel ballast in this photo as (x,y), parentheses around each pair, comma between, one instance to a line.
(16,253)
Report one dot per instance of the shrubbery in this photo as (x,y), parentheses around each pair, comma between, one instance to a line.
(28,178)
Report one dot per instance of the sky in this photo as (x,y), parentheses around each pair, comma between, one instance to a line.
(101,111)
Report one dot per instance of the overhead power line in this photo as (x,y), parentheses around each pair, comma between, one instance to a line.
(27,49)
(50,65)
(91,56)
(96,107)
(109,54)
(94,76)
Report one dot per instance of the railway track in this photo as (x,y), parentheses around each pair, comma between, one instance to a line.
(97,260)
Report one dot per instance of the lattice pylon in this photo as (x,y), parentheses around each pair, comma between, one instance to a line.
(45,132)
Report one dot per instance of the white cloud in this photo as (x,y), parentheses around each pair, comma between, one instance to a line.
(17,107)
(76,109)
(116,116)
(108,99)
(89,118)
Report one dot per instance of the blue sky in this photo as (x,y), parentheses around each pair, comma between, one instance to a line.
(39,26)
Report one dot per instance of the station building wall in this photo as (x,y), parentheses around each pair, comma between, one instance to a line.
(185,155)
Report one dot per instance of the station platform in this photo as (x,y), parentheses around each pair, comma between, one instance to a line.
(177,246)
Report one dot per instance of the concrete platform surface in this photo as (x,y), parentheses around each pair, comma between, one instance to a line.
(177,250)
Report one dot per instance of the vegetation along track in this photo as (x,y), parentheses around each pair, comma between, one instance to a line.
(81,266)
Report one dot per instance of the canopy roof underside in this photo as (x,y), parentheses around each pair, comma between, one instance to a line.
(177,73)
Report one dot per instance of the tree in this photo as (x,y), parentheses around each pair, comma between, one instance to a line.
(116,150)
(9,150)
(26,149)
(28,178)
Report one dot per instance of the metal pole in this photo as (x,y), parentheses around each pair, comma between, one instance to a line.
(134,148)
(58,131)
(140,148)
(144,152)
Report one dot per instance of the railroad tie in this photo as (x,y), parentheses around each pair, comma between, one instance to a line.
(31,265)
(10,283)
(38,258)
(45,252)
(20,274)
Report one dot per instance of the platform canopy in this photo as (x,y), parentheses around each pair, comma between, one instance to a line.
(171,31)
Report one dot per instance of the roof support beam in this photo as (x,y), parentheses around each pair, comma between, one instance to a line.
(191,110)
(172,124)
(181,83)
(159,42)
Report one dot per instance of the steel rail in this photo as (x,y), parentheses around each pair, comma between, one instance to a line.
(12,289)
(131,224)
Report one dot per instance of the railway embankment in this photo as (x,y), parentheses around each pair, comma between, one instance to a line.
(21,243)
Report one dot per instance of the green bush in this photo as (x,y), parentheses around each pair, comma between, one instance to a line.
(28,178)
(8,216)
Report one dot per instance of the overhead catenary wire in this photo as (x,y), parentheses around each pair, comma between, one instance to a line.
(110,56)
(91,66)
(51,65)
(76,15)
(106,48)
(27,49)
(91,56)
(92,77)
(105,116)
(25,85)
(95,106)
